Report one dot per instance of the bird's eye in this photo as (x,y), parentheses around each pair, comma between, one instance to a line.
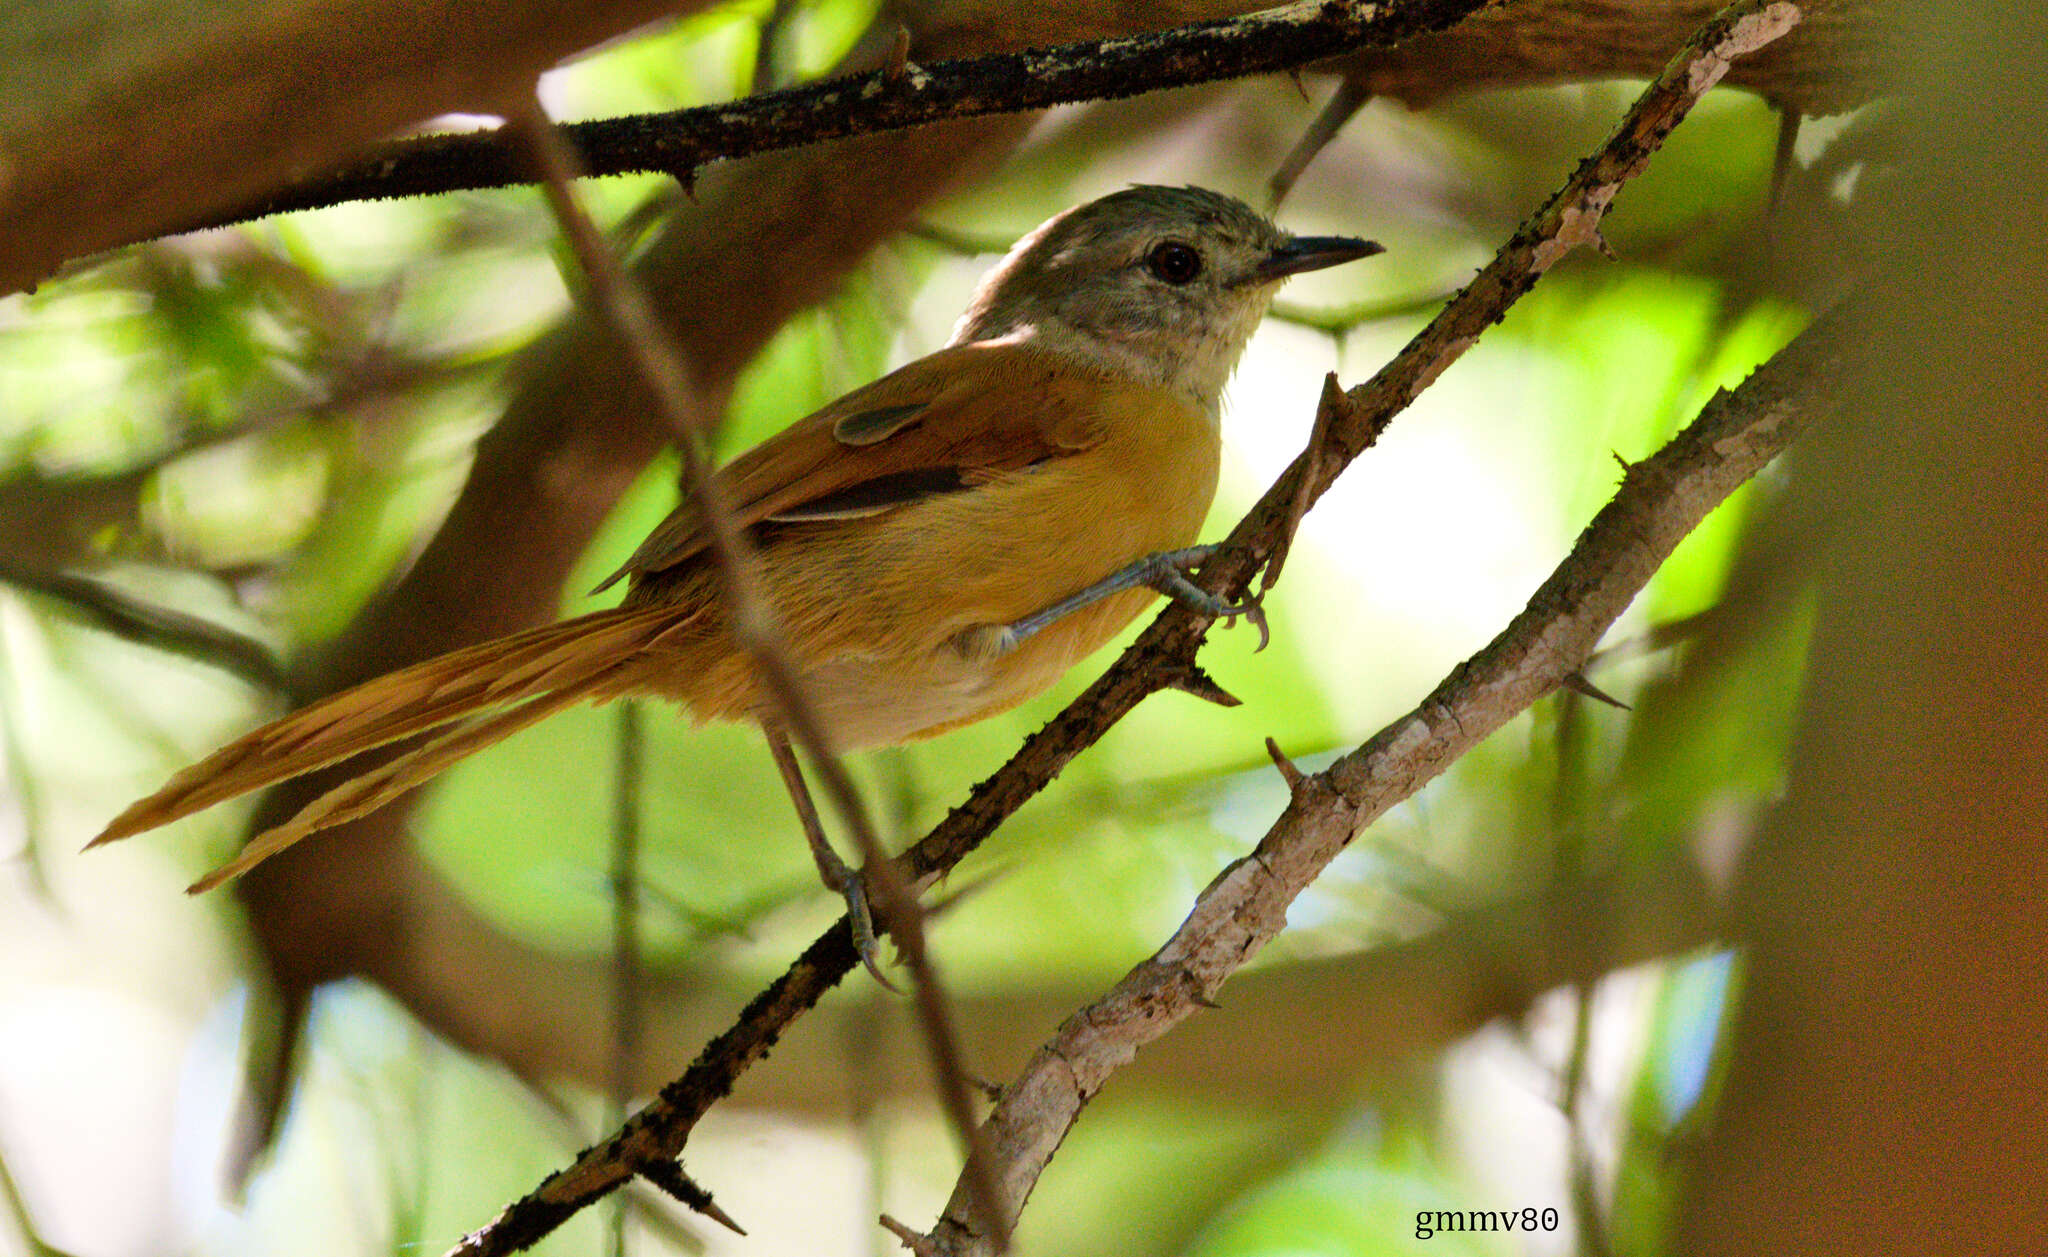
(1174,262)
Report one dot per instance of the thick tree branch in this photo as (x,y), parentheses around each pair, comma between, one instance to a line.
(118,120)
(1844,52)
(1881,1077)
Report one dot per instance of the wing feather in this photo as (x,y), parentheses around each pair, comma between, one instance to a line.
(945,423)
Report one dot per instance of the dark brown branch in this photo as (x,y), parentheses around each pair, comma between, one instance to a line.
(680,141)
(1165,650)
(128,151)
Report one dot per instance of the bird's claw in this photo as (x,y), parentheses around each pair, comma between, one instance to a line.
(1253,610)
(1171,579)
(853,888)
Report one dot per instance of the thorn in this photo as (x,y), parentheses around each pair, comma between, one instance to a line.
(685,176)
(1192,680)
(1327,406)
(669,1177)
(897,66)
(1203,1001)
(721,1217)
(990,1091)
(1605,249)
(1288,770)
(1625,465)
(1294,77)
(916,1241)
(1577,683)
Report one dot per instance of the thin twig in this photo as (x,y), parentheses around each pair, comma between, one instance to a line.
(17,1207)
(767,68)
(1789,120)
(1341,321)
(920,1245)
(1282,38)
(1594,1240)
(896,66)
(147,624)
(25,785)
(960,243)
(1571,829)
(1349,97)
(669,1177)
(625,887)
(1290,772)
(753,622)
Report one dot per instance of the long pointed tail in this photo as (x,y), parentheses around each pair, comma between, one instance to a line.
(493,690)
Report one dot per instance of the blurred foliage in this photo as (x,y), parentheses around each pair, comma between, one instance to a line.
(287,409)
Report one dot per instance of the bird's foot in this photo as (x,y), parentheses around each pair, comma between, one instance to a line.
(1170,577)
(1165,571)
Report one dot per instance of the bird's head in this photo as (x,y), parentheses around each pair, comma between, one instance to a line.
(1165,284)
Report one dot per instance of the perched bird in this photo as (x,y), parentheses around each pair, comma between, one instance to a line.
(936,547)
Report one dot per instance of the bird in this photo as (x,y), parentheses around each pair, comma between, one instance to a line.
(936,547)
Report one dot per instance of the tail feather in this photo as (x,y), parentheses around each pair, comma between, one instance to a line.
(519,669)
(359,796)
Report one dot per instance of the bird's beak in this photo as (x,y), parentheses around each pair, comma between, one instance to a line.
(1312,253)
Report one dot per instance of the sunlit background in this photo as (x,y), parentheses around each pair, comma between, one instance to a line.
(294,403)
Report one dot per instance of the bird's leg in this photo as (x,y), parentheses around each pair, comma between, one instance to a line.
(841,880)
(1166,572)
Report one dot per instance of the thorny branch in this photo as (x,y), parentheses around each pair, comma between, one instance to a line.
(1661,500)
(681,141)
(1163,653)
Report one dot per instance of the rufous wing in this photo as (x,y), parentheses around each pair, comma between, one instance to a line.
(941,424)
